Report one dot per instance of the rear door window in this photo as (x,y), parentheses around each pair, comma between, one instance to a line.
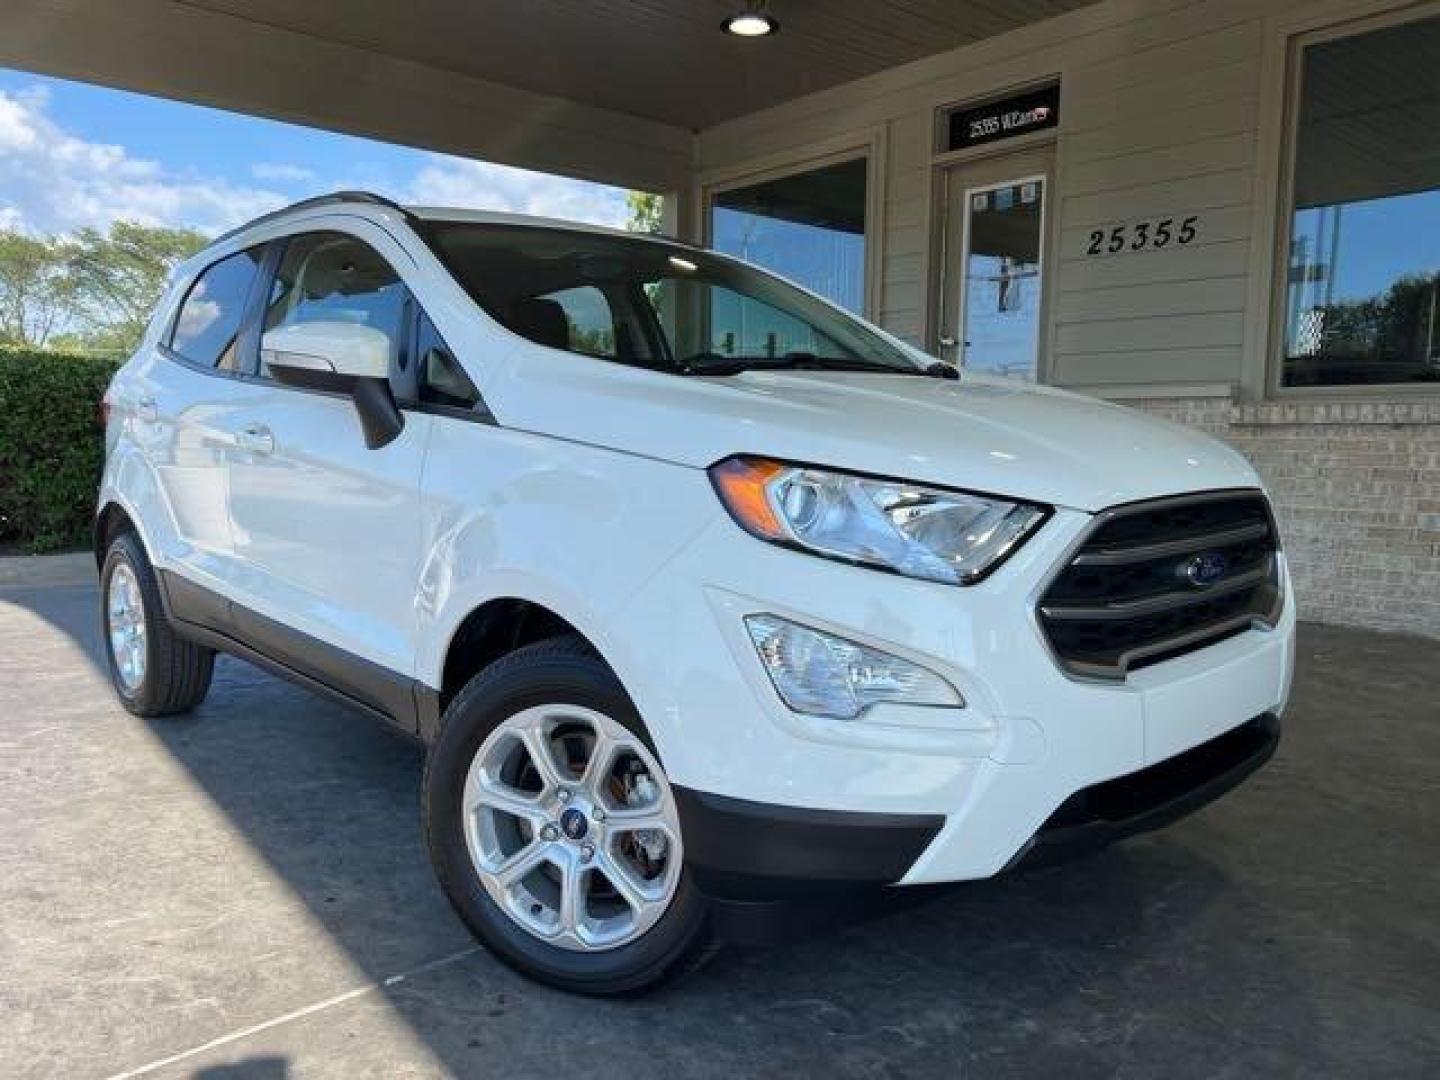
(207,327)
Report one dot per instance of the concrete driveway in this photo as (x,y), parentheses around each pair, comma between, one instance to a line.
(244,893)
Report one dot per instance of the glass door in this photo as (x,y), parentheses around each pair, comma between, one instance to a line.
(994,266)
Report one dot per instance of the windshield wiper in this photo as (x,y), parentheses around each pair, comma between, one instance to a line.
(714,364)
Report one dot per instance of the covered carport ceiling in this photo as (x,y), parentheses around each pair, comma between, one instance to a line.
(663,59)
(608,90)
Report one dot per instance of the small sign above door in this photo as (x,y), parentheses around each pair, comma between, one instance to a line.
(1034,110)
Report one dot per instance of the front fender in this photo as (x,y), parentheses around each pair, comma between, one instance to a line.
(576,529)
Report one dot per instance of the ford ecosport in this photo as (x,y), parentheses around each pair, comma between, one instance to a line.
(697,587)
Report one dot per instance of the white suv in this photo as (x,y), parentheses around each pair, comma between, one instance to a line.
(698,589)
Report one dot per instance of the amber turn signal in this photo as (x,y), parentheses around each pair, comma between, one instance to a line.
(741,483)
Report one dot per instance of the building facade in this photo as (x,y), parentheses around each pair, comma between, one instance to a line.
(1225,213)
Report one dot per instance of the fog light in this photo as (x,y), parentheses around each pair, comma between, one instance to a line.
(824,675)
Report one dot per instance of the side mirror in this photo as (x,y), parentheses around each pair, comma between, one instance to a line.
(342,358)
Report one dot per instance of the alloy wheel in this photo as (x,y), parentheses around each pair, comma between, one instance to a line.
(571,826)
(125,620)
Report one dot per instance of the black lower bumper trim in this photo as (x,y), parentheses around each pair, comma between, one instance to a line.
(1153,797)
(741,850)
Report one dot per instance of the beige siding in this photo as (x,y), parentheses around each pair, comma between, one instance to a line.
(1160,117)
(1168,109)
(1197,263)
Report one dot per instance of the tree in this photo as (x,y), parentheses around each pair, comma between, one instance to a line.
(647,212)
(35,289)
(117,279)
(1395,331)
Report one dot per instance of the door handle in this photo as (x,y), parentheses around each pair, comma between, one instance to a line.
(256,438)
(147,410)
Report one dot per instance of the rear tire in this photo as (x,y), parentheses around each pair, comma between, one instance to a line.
(616,938)
(155,671)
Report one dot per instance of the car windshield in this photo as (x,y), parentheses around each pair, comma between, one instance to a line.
(653,304)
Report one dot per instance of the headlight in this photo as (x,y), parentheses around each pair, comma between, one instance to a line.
(921,532)
(824,675)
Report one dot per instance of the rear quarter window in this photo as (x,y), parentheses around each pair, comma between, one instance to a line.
(207,325)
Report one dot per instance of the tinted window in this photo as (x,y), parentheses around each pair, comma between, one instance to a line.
(1362,296)
(331,277)
(591,326)
(442,380)
(653,304)
(739,326)
(208,324)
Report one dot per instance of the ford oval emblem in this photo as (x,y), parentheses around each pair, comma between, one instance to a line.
(573,823)
(1205,569)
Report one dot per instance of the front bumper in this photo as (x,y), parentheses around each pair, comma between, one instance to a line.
(741,850)
(992,774)
(1152,798)
(745,851)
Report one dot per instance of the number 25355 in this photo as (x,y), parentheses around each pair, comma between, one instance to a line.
(1142,236)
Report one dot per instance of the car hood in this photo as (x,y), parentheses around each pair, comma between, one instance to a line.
(983,434)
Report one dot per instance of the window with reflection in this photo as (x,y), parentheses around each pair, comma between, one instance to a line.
(808,227)
(335,277)
(1362,292)
(207,328)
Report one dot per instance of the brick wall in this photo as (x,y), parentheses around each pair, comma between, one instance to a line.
(1356,488)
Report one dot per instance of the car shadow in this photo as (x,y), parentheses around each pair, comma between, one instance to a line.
(1155,956)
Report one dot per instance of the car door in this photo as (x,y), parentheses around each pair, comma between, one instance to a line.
(182,408)
(327,531)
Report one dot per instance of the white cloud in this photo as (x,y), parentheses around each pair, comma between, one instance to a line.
(480,185)
(52,181)
(281,173)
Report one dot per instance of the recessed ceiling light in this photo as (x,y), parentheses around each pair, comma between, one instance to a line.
(750,23)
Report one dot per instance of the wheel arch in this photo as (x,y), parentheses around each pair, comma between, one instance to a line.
(112,520)
(494,629)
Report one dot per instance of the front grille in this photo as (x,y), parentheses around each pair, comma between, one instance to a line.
(1157,579)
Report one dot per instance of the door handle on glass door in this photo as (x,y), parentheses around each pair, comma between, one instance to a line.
(256,438)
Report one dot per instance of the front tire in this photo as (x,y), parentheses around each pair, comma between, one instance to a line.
(553,830)
(155,672)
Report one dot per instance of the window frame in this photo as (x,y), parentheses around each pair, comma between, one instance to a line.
(868,146)
(243,346)
(1295,42)
(415,317)
(406,397)
(404,346)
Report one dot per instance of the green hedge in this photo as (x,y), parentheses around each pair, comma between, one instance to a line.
(51,447)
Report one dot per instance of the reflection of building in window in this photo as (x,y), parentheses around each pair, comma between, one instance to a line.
(1011,274)
(808,227)
(1309,327)
(1362,299)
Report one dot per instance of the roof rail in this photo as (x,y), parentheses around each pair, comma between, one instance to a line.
(332,199)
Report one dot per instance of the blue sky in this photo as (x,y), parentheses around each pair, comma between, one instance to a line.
(73,155)
(1381,240)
